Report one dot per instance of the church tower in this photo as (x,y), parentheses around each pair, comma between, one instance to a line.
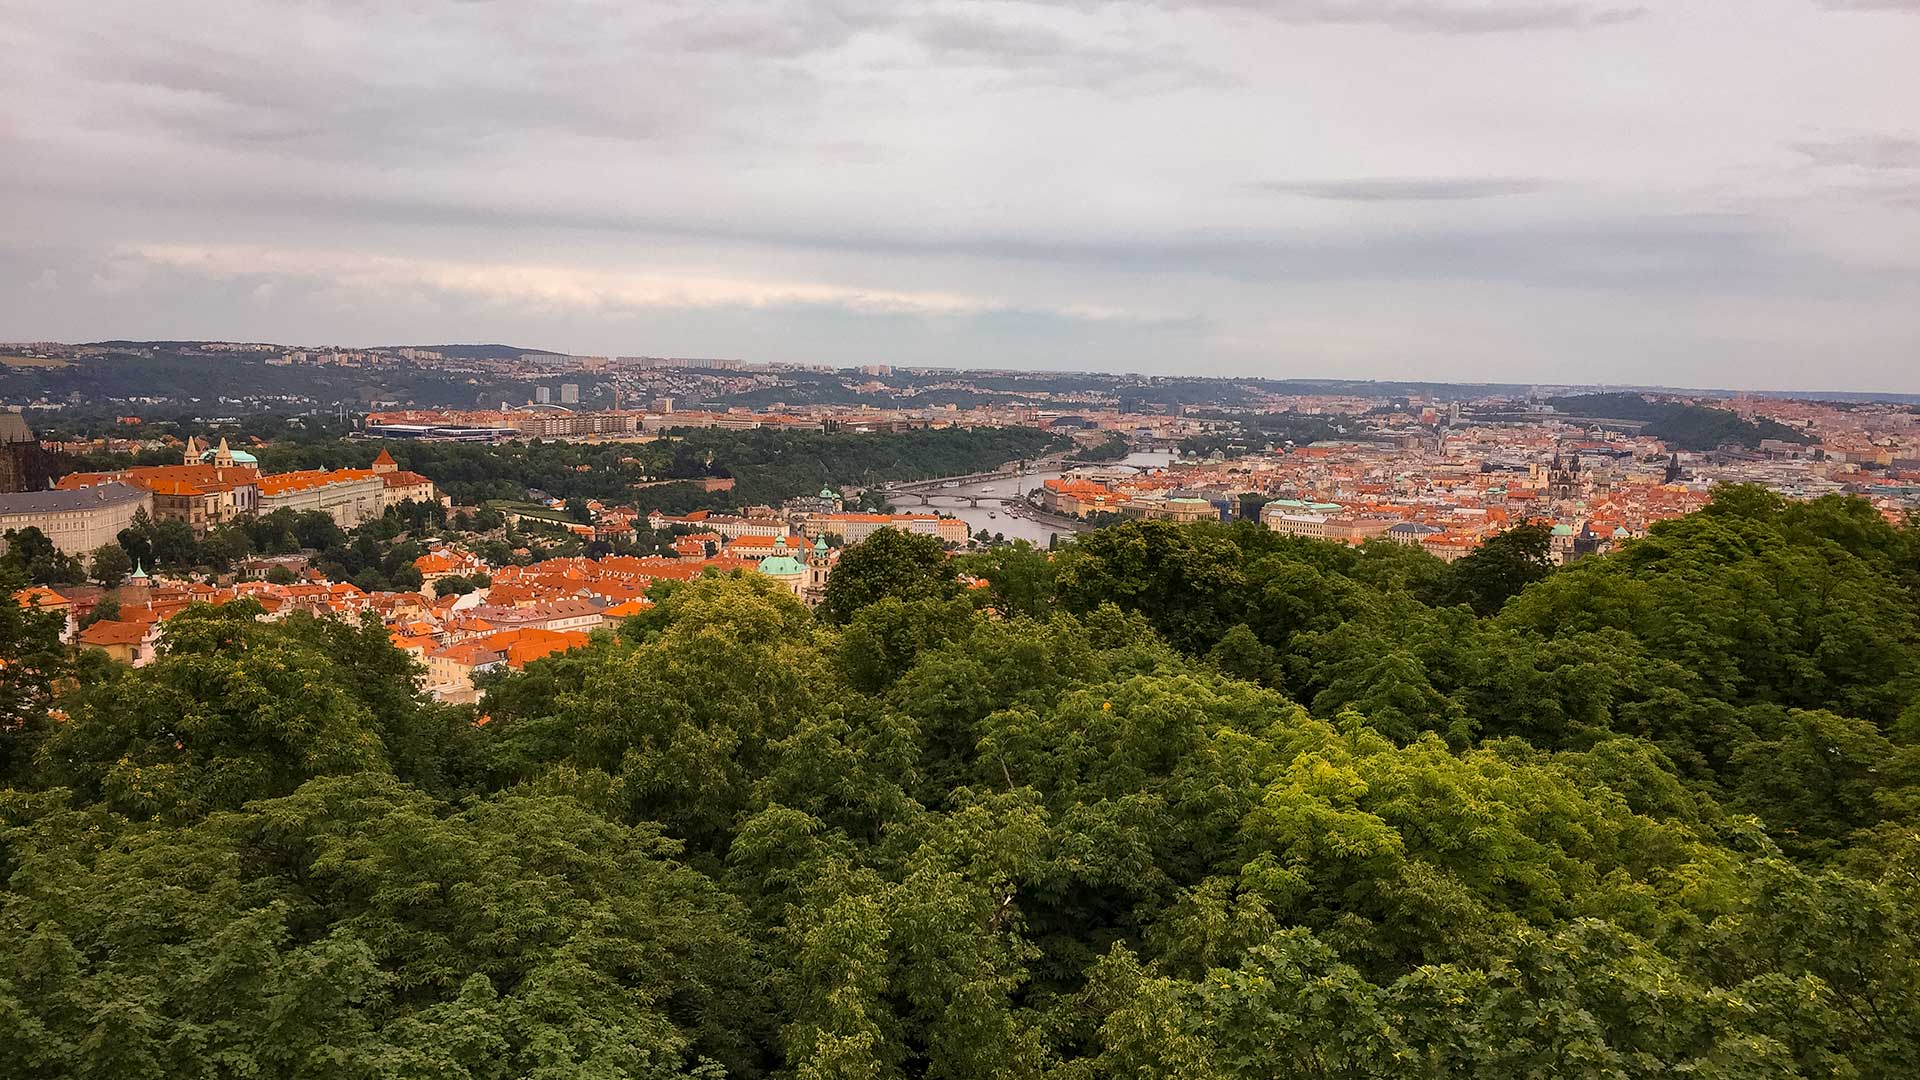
(1563,481)
(819,565)
(191,455)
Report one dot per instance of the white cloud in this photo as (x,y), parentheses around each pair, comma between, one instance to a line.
(566,288)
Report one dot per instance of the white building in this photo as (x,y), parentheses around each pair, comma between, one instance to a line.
(79,520)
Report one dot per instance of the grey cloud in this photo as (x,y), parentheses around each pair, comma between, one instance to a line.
(1429,16)
(1869,5)
(1032,50)
(447,80)
(1408,189)
(1441,187)
(1648,251)
(1877,152)
(789,29)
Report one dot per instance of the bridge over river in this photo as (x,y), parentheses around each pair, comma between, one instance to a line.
(994,501)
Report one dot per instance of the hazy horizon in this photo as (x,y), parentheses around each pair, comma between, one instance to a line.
(1578,192)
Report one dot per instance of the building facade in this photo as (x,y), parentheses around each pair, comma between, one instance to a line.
(24,466)
(350,496)
(853,528)
(78,520)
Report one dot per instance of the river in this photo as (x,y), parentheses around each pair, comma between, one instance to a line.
(995,519)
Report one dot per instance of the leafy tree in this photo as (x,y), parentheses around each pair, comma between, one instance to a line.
(109,566)
(35,558)
(233,709)
(174,545)
(316,529)
(891,562)
(1188,582)
(32,661)
(295,938)
(1507,562)
(1020,578)
(137,539)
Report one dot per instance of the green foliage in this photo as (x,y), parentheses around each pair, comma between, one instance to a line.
(1243,433)
(30,555)
(767,466)
(890,563)
(1112,448)
(1680,425)
(1488,576)
(109,566)
(34,660)
(1203,802)
(1019,577)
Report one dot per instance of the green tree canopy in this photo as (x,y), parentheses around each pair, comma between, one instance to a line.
(891,562)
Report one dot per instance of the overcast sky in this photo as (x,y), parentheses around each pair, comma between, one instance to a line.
(1711,193)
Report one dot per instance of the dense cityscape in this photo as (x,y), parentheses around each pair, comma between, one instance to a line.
(985,655)
(1441,470)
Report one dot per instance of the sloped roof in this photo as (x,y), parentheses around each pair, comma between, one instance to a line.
(57,501)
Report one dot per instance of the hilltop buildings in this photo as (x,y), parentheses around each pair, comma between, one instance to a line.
(213,487)
(77,521)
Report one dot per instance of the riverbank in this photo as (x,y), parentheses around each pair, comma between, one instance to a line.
(1034,526)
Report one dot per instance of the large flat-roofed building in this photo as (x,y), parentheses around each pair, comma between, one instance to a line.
(565,425)
(853,528)
(1346,530)
(79,520)
(1179,510)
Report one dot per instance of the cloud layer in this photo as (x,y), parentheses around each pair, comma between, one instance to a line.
(1546,190)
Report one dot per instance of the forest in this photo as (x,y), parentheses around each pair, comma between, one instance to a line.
(1681,425)
(767,466)
(1202,802)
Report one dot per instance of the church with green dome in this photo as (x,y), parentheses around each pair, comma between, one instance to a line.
(804,573)
(828,501)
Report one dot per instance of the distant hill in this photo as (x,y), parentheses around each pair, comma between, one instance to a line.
(473,352)
(243,381)
(1680,425)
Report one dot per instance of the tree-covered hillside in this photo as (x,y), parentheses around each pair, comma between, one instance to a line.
(1194,802)
(1680,425)
(767,466)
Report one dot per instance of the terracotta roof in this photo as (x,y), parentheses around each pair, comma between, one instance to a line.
(40,596)
(115,632)
(308,479)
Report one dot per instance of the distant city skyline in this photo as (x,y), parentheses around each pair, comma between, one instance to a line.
(1519,191)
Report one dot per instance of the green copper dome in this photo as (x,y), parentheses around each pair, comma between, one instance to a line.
(781,564)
